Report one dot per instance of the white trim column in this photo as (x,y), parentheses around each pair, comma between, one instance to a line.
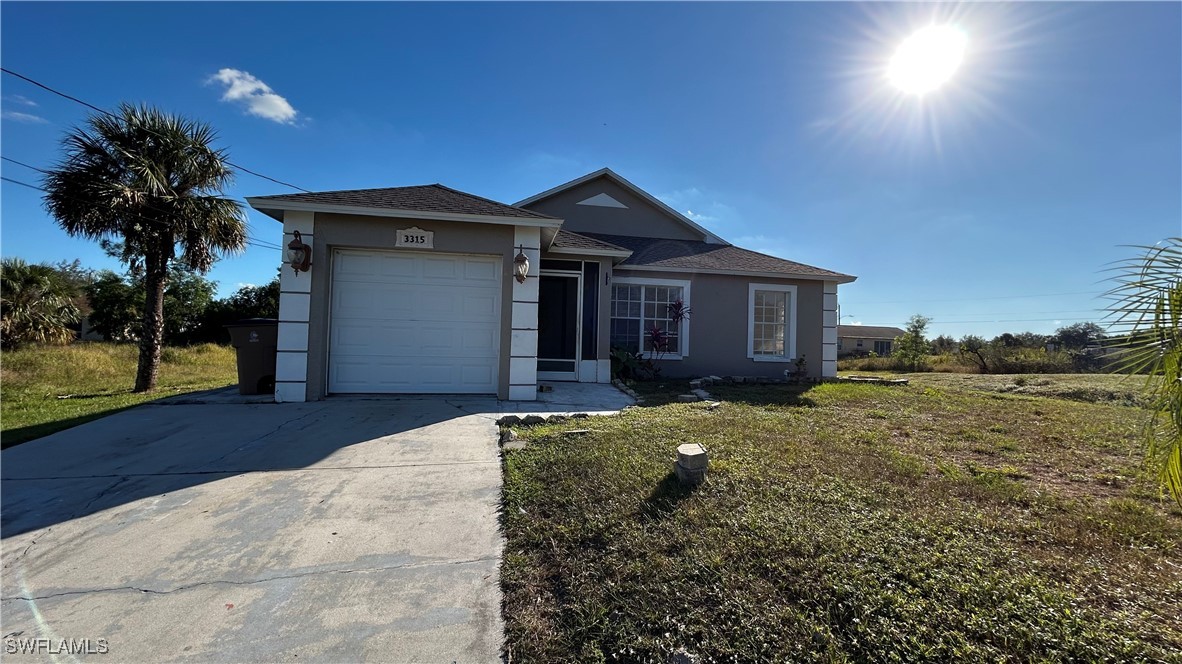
(295,300)
(523,349)
(829,330)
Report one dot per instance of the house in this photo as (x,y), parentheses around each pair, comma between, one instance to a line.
(864,339)
(415,290)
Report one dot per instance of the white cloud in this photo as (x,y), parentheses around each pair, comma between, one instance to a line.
(258,97)
(701,207)
(20,99)
(700,218)
(27,118)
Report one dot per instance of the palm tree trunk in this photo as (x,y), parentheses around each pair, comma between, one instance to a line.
(152,337)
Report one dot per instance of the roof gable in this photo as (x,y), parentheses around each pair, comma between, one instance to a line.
(683,227)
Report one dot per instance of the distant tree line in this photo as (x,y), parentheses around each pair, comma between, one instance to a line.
(49,303)
(1082,347)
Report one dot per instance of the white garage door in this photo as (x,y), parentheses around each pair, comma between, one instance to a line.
(414,323)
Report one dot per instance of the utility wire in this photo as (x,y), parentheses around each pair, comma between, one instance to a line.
(21,163)
(1010,320)
(42,170)
(996,297)
(254,242)
(106,112)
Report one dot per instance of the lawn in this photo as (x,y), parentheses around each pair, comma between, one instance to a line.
(943,520)
(49,388)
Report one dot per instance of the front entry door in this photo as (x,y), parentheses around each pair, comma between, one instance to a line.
(558,326)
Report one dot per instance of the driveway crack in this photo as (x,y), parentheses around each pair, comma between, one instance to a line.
(32,542)
(86,508)
(281,577)
(270,433)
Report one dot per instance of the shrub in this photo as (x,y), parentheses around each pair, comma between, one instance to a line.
(875,363)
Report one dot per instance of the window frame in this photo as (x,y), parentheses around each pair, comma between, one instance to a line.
(789,325)
(683,334)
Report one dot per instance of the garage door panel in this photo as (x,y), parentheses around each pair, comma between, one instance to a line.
(479,342)
(404,322)
(478,374)
(442,269)
(397,266)
(488,272)
(440,306)
(480,306)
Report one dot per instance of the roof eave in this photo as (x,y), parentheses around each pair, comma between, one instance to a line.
(614,253)
(836,278)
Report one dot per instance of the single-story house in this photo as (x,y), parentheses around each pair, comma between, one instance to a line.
(864,339)
(420,290)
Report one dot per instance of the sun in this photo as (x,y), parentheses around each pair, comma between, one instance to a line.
(927,59)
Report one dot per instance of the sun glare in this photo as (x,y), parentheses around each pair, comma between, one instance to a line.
(927,59)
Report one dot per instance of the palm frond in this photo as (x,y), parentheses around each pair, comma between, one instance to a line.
(1146,314)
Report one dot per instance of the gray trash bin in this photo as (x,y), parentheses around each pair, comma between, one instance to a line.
(255,340)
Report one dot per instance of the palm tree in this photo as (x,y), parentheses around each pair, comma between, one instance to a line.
(36,304)
(1147,311)
(151,182)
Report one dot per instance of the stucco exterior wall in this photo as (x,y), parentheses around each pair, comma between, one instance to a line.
(641,219)
(719,325)
(336,231)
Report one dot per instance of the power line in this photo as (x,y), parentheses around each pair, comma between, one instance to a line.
(1010,320)
(252,241)
(42,170)
(997,297)
(21,163)
(106,112)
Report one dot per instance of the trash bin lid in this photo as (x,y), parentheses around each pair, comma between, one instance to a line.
(253,322)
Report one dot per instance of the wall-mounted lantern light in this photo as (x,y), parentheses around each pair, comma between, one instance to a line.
(520,265)
(299,255)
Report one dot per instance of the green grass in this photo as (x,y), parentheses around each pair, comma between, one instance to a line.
(49,388)
(937,521)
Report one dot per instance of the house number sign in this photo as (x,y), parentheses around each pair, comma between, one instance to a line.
(416,238)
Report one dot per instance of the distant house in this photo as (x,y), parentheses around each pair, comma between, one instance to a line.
(853,340)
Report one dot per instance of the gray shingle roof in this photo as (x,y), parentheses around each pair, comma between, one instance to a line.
(571,240)
(691,255)
(420,198)
(869,332)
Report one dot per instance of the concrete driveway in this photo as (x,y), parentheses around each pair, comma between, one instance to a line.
(347,529)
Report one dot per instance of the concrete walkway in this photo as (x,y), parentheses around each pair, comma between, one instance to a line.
(343,530)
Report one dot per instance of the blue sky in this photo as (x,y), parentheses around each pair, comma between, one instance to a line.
(997,199)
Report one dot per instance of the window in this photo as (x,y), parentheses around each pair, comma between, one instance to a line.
(859,343)
(771,322)
(882,348)
(640,304)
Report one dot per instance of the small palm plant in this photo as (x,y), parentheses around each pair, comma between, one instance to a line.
(36,305)
(152,183)
(1147,324)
